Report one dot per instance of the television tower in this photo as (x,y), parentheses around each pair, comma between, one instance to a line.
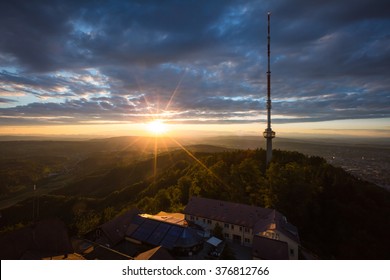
(268,133)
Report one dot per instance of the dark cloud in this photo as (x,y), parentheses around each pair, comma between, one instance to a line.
(7,100)
(195,61)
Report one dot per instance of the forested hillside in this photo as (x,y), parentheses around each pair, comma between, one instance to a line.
(338,216)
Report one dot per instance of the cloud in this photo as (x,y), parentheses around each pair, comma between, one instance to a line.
(7,100)
(193,61)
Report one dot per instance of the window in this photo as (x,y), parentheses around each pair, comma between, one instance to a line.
(232,226)
(209,222)
(247,230)
(191,218)
(226,225)
(204,221)
(240,228)
(226,235)
(236,239)
(247,240)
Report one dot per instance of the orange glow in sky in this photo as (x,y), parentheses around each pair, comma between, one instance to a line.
(157,127)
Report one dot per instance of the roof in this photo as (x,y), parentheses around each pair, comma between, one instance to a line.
(228,212)
(115,229)
(214,241)
(276,221)
(151,231)
(188,238)
(43,239)
(156,233)
(172,218)
(158,253)
(100,252)
(258,218)
(66,257)
(269,249)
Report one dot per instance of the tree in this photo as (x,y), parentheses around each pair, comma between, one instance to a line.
(184,184)
(86,222)
(218,231)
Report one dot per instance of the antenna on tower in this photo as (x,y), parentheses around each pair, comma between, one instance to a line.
(268,133)
(35,204)
(34,200)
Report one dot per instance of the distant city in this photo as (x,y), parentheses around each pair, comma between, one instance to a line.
(363,161)
(366,159)
(370,164)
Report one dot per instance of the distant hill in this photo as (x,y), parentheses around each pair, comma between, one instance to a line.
(207,148)
(52,164)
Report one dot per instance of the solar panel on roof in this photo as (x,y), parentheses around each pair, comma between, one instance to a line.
(145,230)
(188,238)
(159,233)
(131,229)
(138,220)
(135,223)
(171,237)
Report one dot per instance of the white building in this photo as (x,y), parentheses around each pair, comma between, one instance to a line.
(241,222)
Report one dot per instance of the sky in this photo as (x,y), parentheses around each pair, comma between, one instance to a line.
(110,67)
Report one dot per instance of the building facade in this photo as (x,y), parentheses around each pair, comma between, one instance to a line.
(241,222)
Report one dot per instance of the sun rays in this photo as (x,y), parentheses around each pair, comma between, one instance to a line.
(157,126)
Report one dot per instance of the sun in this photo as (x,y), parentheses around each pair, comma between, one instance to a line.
(157,127)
